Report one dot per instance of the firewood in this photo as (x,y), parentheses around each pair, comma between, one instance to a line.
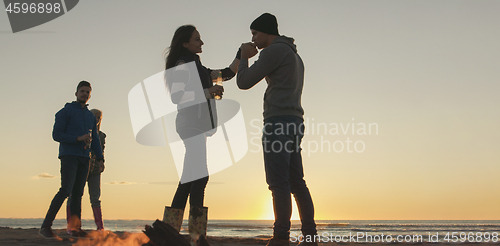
(162,234)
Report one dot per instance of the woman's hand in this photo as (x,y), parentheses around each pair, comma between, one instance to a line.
(216,90)
(101,166)
(248,50)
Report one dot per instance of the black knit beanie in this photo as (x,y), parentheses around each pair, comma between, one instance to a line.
(266,23)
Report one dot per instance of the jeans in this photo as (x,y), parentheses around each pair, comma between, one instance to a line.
(194,189)
(74,171)
(94,184)
(281,140)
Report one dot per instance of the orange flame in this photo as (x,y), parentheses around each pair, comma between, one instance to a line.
(98,238)
(74,223)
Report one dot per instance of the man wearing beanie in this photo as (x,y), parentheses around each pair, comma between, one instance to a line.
(283,70)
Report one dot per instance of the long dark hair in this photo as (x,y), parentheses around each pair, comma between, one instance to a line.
(176,49)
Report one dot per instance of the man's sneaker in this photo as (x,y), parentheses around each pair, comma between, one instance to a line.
(278,242)
(79,234)
(47,233)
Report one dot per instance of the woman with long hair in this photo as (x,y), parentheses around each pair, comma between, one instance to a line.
(196,120)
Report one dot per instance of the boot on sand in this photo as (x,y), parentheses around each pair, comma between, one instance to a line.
(98,218)
(173,217)
(198,224)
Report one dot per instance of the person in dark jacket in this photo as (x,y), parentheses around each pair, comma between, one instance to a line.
(196,120)
(281,66)
(76,131)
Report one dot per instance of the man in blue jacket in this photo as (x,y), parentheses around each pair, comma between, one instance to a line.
(75,130)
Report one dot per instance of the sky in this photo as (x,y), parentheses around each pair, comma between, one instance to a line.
(416,80)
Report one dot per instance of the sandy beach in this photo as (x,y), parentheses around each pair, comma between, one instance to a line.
(30,237)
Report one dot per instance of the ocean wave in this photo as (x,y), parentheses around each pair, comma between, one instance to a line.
(239,226)
(332,224)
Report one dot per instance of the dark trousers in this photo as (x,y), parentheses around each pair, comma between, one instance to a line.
(194,189)
(194,170)
(281,140)
(74,171)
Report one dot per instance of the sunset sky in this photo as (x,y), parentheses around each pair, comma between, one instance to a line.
(423,74)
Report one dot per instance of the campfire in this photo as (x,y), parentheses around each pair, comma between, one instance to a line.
(159,234)
(111,239)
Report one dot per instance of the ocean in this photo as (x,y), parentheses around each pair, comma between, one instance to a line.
(328,230)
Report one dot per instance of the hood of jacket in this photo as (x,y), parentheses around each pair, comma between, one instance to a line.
(286,40)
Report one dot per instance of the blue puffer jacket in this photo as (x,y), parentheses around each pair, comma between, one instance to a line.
(71,122)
